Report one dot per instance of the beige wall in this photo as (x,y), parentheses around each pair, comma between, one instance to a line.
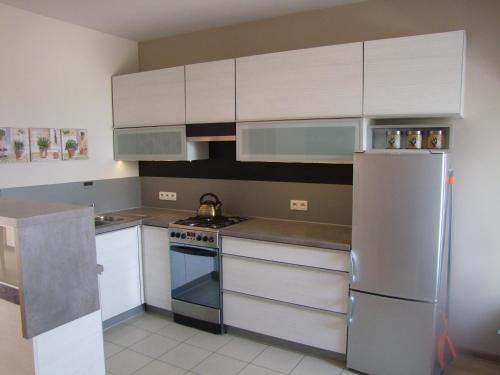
(55,74)
(475,293)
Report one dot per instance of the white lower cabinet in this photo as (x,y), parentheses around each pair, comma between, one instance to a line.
(283,291)
(320,329)
(321,289)
(120,282)
(156,265)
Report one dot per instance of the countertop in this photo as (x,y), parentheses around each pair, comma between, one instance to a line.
(328,236)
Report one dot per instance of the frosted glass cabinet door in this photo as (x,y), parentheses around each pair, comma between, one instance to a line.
(332,141)
(154,143)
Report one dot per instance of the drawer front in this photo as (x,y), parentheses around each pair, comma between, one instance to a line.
(293,254)
(315,328)
(327,290)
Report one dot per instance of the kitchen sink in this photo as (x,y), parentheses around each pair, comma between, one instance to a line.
(106,220)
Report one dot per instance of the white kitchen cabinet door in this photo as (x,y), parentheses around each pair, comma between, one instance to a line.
(287,253)
(416,76)
(316,328)
(321,82)
(156,265)
(120,282)
(151,98)
(305,286)
(210,92)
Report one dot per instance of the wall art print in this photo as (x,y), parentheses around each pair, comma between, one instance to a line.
(14,145)
(74,144)
(45,144)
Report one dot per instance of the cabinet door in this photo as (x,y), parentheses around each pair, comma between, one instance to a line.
(156,264)
(154,143)
(150,98)
(320,329)
(317,82)
(317,288)
(299,141)
(415,76)
(210,92)
(120,282)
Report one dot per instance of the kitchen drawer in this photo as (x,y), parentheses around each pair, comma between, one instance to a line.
(286,253)
(327,290)
(306,326)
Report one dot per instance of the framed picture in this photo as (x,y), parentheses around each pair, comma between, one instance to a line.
(45,144)
(14,145)
(75,144)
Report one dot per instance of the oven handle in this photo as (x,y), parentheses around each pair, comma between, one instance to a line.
(196,251)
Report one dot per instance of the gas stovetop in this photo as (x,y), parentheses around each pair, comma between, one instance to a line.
(210,223)
(199,231)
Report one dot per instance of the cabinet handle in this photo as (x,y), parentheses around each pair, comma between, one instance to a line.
(100,269)
(350,311)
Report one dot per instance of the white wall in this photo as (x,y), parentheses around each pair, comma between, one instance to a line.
(55,74)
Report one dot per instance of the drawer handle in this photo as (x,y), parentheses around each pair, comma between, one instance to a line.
(100,269)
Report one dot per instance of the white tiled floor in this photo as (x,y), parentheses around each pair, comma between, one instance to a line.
(153,345)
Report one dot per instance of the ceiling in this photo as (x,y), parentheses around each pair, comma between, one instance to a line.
(149,19)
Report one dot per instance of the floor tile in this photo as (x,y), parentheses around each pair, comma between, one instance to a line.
(177,332)
(126,362)
(256,370)
(111,349)
(209,341)
(154,345)
(125,335)
(185,356)
(278,359)
(160,368)
(242,349)
(317,366)
(150,322)
(217,364)
(465,365)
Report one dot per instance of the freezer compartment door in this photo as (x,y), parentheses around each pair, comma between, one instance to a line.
(389,336)
(397,228)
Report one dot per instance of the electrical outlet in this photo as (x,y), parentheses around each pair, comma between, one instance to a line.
(167,196)
(297,205)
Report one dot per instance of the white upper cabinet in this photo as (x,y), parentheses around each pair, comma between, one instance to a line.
(210,92)
(321,82)
(415,76)
(152,98)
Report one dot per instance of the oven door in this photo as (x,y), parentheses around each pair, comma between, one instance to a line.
(195,275)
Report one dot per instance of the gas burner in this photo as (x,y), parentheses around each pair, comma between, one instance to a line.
(213,223)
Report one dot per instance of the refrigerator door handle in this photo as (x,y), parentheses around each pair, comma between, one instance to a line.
(350,313)
(353,268)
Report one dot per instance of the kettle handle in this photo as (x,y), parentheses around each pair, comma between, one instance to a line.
(217,200)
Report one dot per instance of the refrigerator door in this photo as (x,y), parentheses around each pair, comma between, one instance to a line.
(397,228)
(388,336)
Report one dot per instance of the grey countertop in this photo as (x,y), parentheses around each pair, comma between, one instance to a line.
(327,236)
(158,217)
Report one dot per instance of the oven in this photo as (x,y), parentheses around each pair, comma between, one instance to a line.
(196,280)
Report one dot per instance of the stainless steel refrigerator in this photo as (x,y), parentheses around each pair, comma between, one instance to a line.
(398,286)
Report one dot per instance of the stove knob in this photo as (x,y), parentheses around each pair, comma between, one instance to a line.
(205,238)
(183,235)
(210,239)
(198,238)
(172,234)
(177,234)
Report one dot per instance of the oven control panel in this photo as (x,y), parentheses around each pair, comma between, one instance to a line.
(194,237)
